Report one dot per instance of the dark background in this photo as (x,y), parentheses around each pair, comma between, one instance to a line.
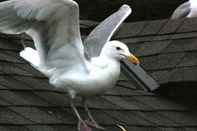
(142,9)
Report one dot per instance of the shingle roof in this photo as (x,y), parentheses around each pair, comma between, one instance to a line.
(167,48)
(29,103)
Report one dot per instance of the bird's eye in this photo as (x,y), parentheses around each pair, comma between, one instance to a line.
(118,48)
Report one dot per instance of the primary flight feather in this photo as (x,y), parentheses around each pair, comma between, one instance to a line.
(60,53)
(186,10)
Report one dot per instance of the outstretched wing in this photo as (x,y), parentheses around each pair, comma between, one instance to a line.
(53,25)
(104,31)
(182,11)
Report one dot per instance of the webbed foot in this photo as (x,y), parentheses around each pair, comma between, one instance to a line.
(82,126)
(94,124)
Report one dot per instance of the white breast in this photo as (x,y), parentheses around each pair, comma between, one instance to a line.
(98,81)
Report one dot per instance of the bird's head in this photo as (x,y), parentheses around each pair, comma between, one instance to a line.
(119,51)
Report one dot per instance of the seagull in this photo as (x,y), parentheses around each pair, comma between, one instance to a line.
(81,68)
(186,10)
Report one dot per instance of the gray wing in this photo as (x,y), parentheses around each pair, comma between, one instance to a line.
(53,25)
(104,31)
(182,11)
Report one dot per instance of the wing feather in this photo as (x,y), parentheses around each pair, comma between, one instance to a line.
(52,24)
(104,31)
(182,11)
(10,23)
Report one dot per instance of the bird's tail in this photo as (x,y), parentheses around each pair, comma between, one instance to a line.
(31,55)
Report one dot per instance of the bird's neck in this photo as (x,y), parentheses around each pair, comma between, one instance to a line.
(112,69)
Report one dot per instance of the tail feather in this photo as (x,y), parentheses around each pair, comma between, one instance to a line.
(31,55)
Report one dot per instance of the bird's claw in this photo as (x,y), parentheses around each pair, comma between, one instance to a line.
(94,124)
(82,126)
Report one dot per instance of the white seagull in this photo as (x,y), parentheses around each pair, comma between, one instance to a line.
(187,9)
(82,69)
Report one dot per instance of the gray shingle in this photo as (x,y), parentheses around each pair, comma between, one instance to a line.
(10,56)
(171,26)
(35,114)
(145,128)
(63,114)
(53,98)
(22,98)
(125,91)
(190,59)
(41,83)
(130,29)
(184,74)
(52,128)
(15,82)
(9,44)
(14,128)
(8,116)
(158,103)
(128,118)
(18,69)
(182,45)
(151,48)
(12,98)
(183,118)
(191,129)
(157,119)
(162,61)
(102,103)
(103,118)
(125,104)
(188,25)
(153,27)
(161,76)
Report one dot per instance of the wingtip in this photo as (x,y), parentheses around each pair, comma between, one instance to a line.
(126,7)
(193,3)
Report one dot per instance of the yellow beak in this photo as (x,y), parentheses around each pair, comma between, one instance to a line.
(133,59)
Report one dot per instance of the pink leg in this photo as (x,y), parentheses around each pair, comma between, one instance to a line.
(91,121)
(82,126)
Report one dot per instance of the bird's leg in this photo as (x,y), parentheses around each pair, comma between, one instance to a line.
(90,121)
(82,126)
